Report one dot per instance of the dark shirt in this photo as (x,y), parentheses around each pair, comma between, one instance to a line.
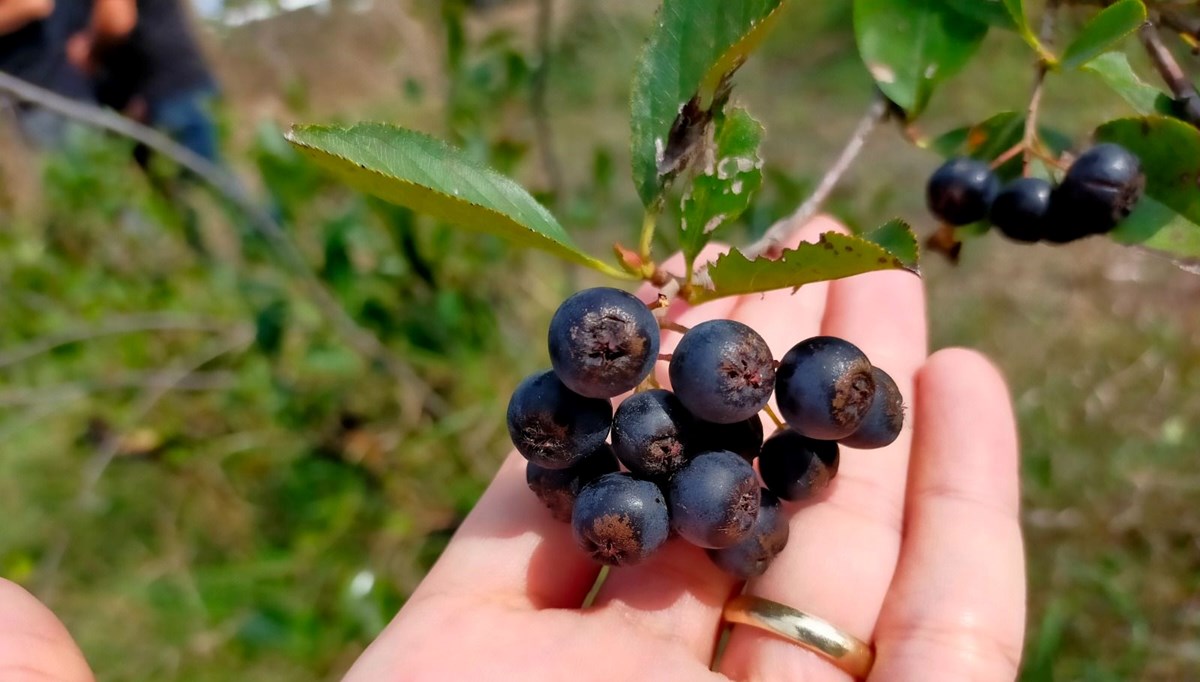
(37,52)
(158,60)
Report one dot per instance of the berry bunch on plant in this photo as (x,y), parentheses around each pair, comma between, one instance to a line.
(683,461)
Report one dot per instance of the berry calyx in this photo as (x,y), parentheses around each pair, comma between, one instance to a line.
(826,388)
(603,342)
(714,499)
(651,434)
(619,520)
(554,427)
(882,424)
(723,371)
(750,556)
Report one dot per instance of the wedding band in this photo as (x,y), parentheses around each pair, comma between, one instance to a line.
(847,652)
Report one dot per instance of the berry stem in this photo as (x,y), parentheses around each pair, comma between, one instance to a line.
(1035,100)
(664,357)
(1007,155)
(649,224)
(674,327)
(774,417)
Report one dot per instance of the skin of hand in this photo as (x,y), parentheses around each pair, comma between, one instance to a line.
(16,13)
(915,547)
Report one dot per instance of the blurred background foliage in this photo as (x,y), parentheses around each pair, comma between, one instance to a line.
(206,483)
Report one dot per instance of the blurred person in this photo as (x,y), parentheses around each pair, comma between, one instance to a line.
(33,47)
(155,72)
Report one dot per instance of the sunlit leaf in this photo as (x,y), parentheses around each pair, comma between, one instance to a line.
(910,46)
(414,170)
(1113,68)
(833,256)
(722,189)
(1104,30)
(694,49)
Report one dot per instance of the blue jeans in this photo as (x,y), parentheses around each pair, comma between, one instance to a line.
(187,118)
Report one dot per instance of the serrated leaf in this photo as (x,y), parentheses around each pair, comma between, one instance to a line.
(992,12)
(896,236)
(722,189)
(414,170)
(833,256)
(1113,68)
(695,47)
(1105,29)
(993,136)
(1169,150)
(910,46)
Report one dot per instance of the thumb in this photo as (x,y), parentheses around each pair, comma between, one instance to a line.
(34,644)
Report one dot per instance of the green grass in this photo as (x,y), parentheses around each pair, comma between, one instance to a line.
(265,519)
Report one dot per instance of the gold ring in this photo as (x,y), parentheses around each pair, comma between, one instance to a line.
(845,651)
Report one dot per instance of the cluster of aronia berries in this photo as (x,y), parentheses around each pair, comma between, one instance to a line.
(1099,190)
(682,461)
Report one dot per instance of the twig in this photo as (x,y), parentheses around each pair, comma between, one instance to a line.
(229,187)
(1045,35)
(197,381)
(782,230)
(237,340)
(120,324)
(551,168)
(774,417)
(1172,74)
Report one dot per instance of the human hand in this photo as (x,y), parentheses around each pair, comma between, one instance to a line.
(915,548)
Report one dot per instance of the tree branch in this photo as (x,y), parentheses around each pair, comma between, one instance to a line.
(1045,35)
(782,230)
(228,186)
(119,324)
(1172,74)
(551,168)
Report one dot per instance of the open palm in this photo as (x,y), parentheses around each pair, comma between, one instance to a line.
(915,548)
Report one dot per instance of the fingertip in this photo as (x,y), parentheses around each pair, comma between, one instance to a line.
(33,640)
(961,365)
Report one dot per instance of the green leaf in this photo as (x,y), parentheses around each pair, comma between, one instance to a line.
(1113,68)
(1160,230)
(1169,150)
(990,138)
(833,256)
(1016,9)
(992,12)
(414,170)
(910,46)
(1105,29)
(722,190)
(694,50)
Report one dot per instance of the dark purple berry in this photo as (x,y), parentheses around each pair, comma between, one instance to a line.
(1100,190)
(651,433)
(619,520)
(751,556)
(960,191)
(795,467)
(553,426)
(714,499)
(603,342)
(1020,209)
(884,420)
(558,488)
(723,371)
(744,437)
(825,387)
